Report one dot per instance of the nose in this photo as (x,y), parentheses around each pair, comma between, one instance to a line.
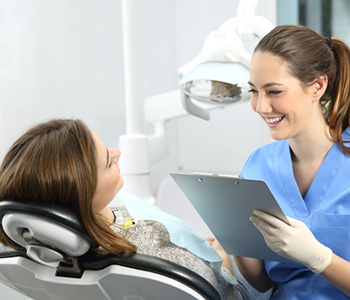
(261,104)
(115,154)
(118,152)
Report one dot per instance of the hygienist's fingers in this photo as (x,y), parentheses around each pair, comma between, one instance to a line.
(264,227)
(271,219)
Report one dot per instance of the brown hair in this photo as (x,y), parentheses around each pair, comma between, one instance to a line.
(309,56)
(56,161)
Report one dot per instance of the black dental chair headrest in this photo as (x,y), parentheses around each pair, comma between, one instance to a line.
(19,213)
(51,211)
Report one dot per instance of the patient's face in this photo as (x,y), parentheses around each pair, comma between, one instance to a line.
(109,181)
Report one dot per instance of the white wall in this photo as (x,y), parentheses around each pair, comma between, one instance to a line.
(64,58)
(61,58)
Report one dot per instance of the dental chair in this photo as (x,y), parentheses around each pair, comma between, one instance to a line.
(56,263)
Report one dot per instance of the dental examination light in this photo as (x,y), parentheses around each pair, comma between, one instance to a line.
(217,76)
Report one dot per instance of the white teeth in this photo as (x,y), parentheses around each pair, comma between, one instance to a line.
(274,120)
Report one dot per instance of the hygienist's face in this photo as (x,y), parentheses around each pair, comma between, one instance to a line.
(109,181)
(284,104)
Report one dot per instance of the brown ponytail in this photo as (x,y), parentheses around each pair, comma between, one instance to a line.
(337,114)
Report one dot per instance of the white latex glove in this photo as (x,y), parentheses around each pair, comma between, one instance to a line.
(295,242)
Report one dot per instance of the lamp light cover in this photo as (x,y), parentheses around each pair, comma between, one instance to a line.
(219,74)
(217,82)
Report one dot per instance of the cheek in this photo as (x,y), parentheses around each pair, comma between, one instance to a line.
(115,181)
(284,104)
(111,182)
(253,102)
(105,185)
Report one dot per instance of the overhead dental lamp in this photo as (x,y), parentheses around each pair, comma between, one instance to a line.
(218,75)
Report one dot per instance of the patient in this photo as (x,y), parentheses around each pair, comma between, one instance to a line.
(62,160)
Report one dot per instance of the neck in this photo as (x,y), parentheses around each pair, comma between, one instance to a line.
(314,140)
(108,214)
(312,145)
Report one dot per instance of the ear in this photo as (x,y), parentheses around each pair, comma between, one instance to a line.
(319,87)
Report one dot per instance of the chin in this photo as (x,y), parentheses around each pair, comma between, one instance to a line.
(119,186)
(120,183)
(278,136)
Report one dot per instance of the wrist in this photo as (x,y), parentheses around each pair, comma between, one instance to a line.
(322,261)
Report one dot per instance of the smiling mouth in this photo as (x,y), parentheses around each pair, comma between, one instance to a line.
(274,120)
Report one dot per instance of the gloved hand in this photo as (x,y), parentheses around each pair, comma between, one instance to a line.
(295,242)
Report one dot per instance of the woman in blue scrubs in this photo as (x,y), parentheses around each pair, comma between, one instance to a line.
(300,86)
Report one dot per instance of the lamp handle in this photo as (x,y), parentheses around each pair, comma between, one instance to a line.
(193,109)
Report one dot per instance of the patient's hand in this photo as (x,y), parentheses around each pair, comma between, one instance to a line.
(222,253)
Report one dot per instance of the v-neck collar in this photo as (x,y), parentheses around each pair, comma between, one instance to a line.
(324,177)
(323,180)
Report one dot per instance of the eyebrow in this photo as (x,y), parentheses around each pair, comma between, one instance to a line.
(107,158)
(267,84)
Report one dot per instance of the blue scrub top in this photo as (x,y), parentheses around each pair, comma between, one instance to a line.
(325,210)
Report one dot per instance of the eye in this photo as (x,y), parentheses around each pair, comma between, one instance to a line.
(112,160)
(253,91)
(274,92)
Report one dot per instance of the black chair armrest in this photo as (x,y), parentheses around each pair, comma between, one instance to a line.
(153,264)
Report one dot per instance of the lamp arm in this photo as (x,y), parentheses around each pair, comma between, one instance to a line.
(245,15)
(157,143)
(161,108)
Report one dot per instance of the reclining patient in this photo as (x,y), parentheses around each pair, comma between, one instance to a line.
(62,160)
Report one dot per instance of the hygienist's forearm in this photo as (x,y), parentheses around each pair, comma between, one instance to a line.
(338,273)
(254,272)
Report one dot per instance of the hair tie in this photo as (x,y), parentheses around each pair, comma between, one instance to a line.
(329,42)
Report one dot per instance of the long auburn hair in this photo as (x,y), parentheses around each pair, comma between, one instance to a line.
(310,55)
(55,161)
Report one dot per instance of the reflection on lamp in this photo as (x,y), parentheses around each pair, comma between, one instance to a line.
(215,89)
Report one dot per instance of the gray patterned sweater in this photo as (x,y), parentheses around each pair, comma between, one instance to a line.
(152,238)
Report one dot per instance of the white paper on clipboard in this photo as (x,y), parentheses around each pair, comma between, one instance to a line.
(225,204)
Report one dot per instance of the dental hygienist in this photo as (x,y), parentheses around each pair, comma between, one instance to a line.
(300,85)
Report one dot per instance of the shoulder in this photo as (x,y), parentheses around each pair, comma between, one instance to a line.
(264,159)
(267,149)
(266,152)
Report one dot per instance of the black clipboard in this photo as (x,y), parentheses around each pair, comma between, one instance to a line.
(225,203)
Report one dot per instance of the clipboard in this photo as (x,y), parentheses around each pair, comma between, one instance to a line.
(225,203)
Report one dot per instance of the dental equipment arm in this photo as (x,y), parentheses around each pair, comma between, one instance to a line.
(140,151)
(224,47)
